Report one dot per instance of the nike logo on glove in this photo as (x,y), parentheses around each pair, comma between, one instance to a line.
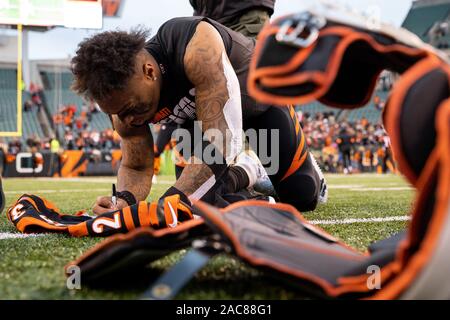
(174,216)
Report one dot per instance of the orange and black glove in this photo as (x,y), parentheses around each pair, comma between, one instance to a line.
(169,211)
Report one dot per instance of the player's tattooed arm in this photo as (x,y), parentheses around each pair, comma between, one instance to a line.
(136,169)
(218,101)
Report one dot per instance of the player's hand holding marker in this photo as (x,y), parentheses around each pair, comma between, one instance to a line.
(107,204)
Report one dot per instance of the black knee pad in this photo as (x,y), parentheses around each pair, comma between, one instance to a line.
(301,189)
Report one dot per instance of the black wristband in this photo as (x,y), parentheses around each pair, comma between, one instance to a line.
(127,196)
(172,191)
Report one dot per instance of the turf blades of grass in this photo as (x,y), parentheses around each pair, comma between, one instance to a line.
(32,268)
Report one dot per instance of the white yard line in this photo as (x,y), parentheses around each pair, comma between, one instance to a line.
(361,220)
(165,182)
(361,175)
(348,187)
(57,191)
(9,235)
(344,186)
(383,189)
(73,190)
(83,180)
(356,187)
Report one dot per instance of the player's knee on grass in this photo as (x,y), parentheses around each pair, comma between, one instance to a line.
(301,189)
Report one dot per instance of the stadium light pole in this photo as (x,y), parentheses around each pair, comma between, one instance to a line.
(19,79)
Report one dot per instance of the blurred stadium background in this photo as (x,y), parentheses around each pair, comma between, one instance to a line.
(46,130)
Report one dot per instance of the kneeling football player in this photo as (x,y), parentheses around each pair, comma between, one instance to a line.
(193,69)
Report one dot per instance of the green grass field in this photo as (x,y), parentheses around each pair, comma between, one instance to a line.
(32,268)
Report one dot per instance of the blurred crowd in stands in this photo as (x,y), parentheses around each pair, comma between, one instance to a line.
(31,144)
(78,131)
(76,124)
(86,141)
(35,101)
(347,147)
(343,146)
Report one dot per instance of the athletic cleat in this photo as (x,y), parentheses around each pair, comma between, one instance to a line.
(257,175)
(2,196)
(323,193)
